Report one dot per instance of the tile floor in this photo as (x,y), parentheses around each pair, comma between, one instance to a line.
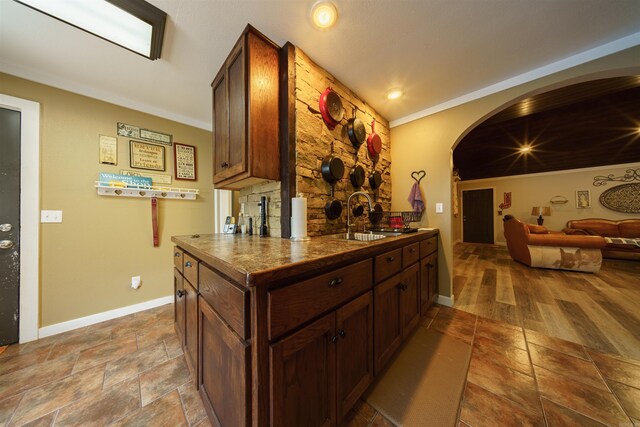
(131,371)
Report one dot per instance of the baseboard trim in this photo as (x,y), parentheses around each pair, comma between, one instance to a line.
(81,322)
(446,301)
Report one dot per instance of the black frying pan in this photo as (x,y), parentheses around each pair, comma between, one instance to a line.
(375,216)
(375,180)
(356,176)
(356,131)
(333,209)
(332,169)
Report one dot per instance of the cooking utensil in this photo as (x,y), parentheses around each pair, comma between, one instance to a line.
(356,131)
(356,176)
(374,143)
(331,108)
(375,180)
(333,209)
(357,210)
(375,216)
(332,169)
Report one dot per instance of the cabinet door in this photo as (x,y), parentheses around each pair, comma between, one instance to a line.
(191,326)
(178,306)
(237,111)
(388,327)
(303,374)
(224,370)
(428,281)
(410,299)
(220,128)
(354,326)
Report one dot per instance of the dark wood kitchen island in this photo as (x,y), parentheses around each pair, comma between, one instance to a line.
(288,333)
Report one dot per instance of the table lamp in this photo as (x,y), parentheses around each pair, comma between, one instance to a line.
(541,211)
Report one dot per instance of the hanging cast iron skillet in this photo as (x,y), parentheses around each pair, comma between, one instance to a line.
(375,180)
(332,169)
(356,131)
(357,210)
(331,108)
(375,216)
(374,143)
(356,176)
(333,209)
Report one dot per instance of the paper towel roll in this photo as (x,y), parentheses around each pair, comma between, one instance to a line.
(298,217)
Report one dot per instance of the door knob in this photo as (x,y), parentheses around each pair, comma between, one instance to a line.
(5,227)
(6,244)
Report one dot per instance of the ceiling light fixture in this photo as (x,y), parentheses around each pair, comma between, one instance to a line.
(526,149)
(133,24)
(394,94)
(324,14)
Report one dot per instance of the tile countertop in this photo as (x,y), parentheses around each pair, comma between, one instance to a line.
(253,260)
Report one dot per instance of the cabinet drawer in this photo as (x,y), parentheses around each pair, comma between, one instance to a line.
(227,299)
(410,254)
(428,246)
(177,258)
(293,305)
(190,269)
(388,264)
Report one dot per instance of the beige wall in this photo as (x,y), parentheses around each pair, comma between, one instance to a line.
(427,144)
(537,190)
(88,260)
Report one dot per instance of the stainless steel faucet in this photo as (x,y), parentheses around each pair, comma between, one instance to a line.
(362,193)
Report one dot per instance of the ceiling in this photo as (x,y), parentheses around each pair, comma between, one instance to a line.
(594,123)
(437,51)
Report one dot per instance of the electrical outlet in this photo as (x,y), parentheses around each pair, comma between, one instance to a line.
(439,207)
(50,216)
(136,282)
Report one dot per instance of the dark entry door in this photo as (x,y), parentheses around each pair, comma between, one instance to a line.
(9,225)
(477,216)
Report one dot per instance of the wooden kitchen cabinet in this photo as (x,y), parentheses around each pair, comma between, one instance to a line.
(303,375)
(354,326)
(191,326)
(410,299)
(388,330)
(428,281)
(178,306)
(245,114)
(224,374)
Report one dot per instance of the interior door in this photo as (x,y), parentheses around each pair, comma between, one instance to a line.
(9,225)
(477,216)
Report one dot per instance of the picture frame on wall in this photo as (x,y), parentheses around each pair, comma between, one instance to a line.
(583,199)
(108,150)
(184,160)
(147,156)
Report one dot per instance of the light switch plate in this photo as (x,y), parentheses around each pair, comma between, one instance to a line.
(50,216)
(439,208)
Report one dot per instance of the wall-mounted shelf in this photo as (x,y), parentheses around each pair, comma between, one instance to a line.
(558,200)
(106,189)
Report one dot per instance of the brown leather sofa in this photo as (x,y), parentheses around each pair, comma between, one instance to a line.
(535,246)
(626,228)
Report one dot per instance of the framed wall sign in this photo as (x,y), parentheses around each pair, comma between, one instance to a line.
(146,156)
(108,150)
(184,157)
(583,199)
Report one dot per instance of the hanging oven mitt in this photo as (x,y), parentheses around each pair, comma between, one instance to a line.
(415,198)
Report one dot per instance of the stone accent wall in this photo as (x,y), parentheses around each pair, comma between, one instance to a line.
(313,143)
(250,196)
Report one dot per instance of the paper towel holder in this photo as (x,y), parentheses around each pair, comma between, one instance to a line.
(296,238)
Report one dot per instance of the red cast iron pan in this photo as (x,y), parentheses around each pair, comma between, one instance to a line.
(331,108)
(374,143)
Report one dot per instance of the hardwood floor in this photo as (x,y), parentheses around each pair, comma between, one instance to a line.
(600,310)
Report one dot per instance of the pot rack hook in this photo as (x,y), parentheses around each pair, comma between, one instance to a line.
(418,175)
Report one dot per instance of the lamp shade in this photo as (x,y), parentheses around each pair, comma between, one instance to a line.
(541,211)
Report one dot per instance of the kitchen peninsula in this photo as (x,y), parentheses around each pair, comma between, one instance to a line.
(292,333)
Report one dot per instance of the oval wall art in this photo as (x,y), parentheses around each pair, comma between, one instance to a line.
(622,198)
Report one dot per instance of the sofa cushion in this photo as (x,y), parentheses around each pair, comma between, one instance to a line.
(629,228)
(596,226)
(537,229)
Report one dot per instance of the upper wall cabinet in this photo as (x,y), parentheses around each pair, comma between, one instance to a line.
(245,114)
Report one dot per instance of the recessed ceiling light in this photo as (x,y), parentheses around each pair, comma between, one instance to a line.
(526,149)
(133,24)
(324,14)
(394,94)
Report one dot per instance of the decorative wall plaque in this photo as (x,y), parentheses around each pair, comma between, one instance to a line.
(622,198)
(629,176)
(146,156)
